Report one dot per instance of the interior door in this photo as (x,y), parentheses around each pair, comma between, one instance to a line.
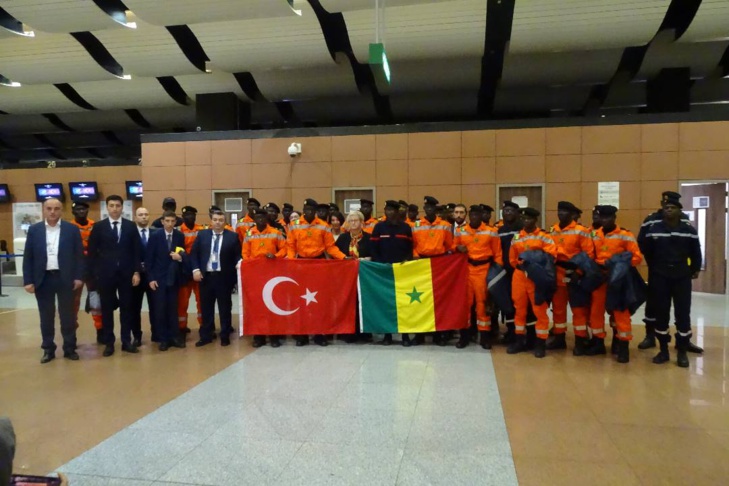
(710,223)
(233,204)
(524,196)
(342,195)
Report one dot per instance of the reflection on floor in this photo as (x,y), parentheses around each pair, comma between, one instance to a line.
(364,414)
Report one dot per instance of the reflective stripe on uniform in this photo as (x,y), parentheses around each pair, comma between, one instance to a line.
(663,332)
(520,328)
(560,325)
(619,237)
(544,239)
(429,228)
(496,279)
(674,233)
(625,334)
(542,332)
(685,334)
(580,328)
(572,232)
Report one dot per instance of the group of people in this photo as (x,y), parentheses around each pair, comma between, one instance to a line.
(516,270)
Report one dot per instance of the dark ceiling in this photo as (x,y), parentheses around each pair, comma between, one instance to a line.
(94,75)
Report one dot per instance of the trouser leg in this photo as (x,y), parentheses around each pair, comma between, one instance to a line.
(660,294)
(67,316)
(46,297)
(597,312)
(521,301)
(681,293)
(559,309)
(183,299)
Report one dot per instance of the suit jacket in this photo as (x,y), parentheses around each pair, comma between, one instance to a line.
(160,266)
(143,247)
(106,256)
(230,254)
(70,254)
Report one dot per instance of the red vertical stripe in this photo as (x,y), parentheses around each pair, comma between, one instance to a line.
(450,286)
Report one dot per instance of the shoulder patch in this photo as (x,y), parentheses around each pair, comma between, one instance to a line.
(417,223)
(249,233)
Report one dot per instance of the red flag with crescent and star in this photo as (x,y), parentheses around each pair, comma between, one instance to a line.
(284,296)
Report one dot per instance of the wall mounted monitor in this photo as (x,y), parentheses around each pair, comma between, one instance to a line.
(83,191)
(134,190)
(4,193)
(48,190)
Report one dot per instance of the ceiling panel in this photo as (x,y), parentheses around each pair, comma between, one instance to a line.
(168,118)
(17,124)
(60,15)
(560,68)
(710,22)
(271,43)
(336,110)
(94,120)
(298,84)
(560,25)
(435,106)
(540,98)
(176,12)
(702,58)
(448,74)
(119,94)
(48,58)
(40,98)
(215,82)
(350,5)
(148,50)
(453,28)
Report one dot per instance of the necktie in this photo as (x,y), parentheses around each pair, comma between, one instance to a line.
(115,224)
(144,237)
(216,249)
(169,242)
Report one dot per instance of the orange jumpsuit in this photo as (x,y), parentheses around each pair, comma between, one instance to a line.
(484,247)
(432,239)
(570,240)
(606,245)
(244,225)
(311,240)
(257,244)
(95,313)
(522,289)
(369,225)
(183,295)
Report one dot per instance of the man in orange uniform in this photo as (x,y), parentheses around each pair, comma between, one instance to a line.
(189,229)
(263,241)
(531,237)
(483,245)
(310,237)
(412,214)
(432,236)
(365,207)
(571,238)
(611,240)
(247,222)
(80,210)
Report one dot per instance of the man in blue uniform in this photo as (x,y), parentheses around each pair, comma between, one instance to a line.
(673,252)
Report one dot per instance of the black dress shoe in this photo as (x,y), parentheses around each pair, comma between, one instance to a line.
(275,343)
(387,340)
(137,342)
(178,343)
(48,356)
(203,342)
(406,343)
(164,346)
(130,348)
(258,342)
(462,343)
(108,350)
(72,355)
(225,340)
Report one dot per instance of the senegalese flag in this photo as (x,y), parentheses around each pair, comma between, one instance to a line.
(417,296)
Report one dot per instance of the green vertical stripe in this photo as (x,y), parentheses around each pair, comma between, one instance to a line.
(378,309)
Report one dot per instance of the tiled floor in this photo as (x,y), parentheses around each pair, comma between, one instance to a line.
(364,414)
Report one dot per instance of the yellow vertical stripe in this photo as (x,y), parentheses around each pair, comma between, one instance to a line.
(414,296)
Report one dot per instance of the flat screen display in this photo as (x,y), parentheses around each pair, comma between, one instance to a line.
(134,190)
(83,191)
(48,190)
(4,193)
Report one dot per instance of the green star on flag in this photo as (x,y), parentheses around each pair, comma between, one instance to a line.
(414,295)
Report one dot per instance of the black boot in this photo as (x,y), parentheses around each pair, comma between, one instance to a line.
(623,351)
(275,342)
(485,339)
(518,346)
(406,343)
(463,341)
(387,340)
(662,356)
(682,358)
(650,336)
(540,348)
(692,348)
(556,341)
(418,339)
(580,346)
(596,346)
(259,341)
(509,336)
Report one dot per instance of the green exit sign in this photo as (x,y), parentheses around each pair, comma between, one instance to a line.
(378,61)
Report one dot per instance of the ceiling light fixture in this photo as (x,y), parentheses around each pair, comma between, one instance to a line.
(6,82)
(293,4)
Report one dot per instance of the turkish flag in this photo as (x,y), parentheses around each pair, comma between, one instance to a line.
(281,296)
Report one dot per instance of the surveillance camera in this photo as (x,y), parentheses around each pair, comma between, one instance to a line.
(294,149)
(198,129)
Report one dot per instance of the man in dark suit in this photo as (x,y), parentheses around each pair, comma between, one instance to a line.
(115,263)
(166,263)
(138,292)
(53,267)
(214,257)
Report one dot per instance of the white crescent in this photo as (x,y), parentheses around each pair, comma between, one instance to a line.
(268,295)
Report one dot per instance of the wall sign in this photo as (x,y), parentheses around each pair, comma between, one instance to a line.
(608,193)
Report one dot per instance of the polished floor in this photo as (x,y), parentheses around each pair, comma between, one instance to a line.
(365,414)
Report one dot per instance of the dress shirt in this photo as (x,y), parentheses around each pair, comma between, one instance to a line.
(146,229)
(53,235)
(209,266)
